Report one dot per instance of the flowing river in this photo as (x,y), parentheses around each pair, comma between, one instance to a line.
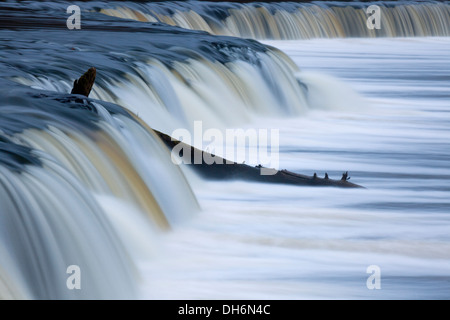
(87,182)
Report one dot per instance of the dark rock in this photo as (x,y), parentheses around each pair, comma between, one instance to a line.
(84,84)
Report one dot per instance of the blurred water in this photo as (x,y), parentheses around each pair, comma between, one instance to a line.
(282,242)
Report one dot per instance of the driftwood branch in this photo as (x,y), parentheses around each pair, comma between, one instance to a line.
(223,169)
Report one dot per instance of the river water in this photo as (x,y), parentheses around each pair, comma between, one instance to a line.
(382,112)
(86,184)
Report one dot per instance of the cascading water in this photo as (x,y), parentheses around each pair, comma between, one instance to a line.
(64,159)
(216,89)
(95,156)
(291,20)
(87,182)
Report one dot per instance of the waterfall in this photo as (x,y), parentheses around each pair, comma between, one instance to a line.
(291,20)
(63,162)
(221,80)
(86,181)
(221,94)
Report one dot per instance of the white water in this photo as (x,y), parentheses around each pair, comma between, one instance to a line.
(220,94)
(290,21)
(261,241)
(98,201)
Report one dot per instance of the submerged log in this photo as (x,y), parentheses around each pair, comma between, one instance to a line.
(222,169)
